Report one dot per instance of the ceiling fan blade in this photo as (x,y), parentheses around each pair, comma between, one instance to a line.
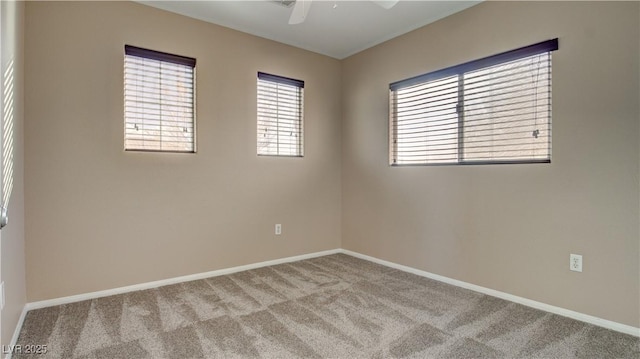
(387,4)
(300,11)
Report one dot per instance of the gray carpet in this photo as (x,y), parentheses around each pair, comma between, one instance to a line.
(335,306)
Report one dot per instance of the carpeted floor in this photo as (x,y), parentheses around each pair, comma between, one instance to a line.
(335,306)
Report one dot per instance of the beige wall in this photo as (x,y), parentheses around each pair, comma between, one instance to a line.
(12,268)
(94,219)
(510,227)
(99,218)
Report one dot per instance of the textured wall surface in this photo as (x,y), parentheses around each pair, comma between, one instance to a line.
(99,217)
(510,227)
(12,237)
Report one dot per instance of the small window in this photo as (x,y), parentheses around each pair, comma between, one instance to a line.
(493,110)
(159,101)
(280,109)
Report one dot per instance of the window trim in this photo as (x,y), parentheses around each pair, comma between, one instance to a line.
(535,49)
(457,70)
(160,56)
(291,82)
(135,51)
(280,79)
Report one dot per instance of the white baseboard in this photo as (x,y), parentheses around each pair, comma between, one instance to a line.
(618,327)
(154,284)
(175,280)
(16,332)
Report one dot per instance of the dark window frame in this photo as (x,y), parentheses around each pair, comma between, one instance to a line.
(459,71)
(134,51)
(281,80)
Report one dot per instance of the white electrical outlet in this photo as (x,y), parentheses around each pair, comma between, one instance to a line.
(575,262)
(2,299)
(278,229)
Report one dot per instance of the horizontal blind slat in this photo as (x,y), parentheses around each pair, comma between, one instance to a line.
(159,104)
(501,112)
(279,116)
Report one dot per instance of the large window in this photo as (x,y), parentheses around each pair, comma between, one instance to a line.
(493,110)
(280,109)
(159,99)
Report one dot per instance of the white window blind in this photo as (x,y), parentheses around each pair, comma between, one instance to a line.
(159,101)
(280,116)
(493,110)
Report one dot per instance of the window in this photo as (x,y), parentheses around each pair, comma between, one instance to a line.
(159,101)
(493,110)
(280,108)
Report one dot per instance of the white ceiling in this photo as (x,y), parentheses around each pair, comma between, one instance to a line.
(350,27)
